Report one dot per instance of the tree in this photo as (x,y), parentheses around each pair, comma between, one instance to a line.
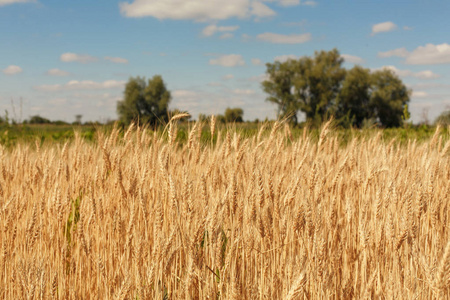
(78,119)
(353,100)
(307,84)
(203,117)
(406,116)
(443,119)
(38,120)
(320,87)
(234,115)
(144,102)
(279,87)
(388,98)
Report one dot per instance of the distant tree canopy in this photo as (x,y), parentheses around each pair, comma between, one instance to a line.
(443,119)
(320,87)
(234,115)
(146,102)
(231,115)
(38,120)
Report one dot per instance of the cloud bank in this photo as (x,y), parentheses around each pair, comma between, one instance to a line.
(383,27)
(231,60)
(284,39)
(429,54)
(73,57)
(57,72)
(7,2)
(82,85)
(197,10)
(12,70)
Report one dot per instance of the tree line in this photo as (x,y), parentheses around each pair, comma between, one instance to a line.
(317,86)
(320,87)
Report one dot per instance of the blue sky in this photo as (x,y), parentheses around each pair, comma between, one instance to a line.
(64,58)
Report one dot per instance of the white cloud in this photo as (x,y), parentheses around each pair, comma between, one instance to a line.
(419,94)
(184,93)
(352,59)
(73,57)
(243,92)
(259,78)
(400,52)
(227,35)
(57,72)
(261,10)
(228,77)
(257,62)
(245,37)
(214,84)
(231,60)
(81,85)
(284,39)
(7,2)
(198,10)
(430,85)
(284,58)
(429,54)
(203,10)
(427,74)
(289,2)
(117,60)
(407,28)
(188,100)
(12,70)
(383,27)
(57,101)
(212,29)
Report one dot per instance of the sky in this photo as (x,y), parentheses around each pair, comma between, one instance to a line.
(59,58)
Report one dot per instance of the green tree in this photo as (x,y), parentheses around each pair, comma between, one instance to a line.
(220,119)
(78,119)
(388,98)
(309,84)
(406,116)
(146,102)
(202,117)
(443,119)
(279,87)
(320,87)
(353,100)
(234,115)
(38,120)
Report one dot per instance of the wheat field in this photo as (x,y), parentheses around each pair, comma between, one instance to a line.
(136,215)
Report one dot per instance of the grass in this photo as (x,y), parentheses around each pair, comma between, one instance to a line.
(11,135)
(275,213)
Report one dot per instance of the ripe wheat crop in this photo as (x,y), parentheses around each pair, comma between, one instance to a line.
(136,215)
